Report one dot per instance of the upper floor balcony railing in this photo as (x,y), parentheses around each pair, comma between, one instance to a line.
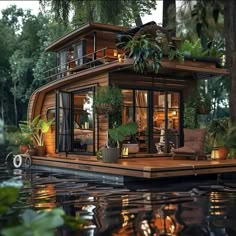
(97,58)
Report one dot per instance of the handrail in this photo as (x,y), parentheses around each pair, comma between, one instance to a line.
(66,69)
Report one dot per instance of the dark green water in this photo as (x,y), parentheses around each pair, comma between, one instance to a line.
(162,208)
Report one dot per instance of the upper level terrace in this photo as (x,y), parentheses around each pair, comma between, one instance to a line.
(90,45)
(94,45)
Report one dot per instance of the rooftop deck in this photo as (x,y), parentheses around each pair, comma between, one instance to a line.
(146,167)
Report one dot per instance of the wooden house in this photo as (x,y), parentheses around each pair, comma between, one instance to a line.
(87,58)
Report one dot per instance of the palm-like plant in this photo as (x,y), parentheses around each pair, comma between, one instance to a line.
(119,133)
(37,129)
(146,52)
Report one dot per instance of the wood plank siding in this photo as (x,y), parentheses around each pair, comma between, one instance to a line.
(41,101)
(120,74)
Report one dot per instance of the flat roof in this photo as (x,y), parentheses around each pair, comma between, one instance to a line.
(86,28)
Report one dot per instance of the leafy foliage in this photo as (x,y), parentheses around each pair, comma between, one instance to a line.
(119,12)
(214,48)
(37,129)
(107,100)
(145,52)
(34,223)
(8,196)
(118,134)
(222,133)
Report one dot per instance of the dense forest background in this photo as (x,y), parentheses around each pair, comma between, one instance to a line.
(24,37)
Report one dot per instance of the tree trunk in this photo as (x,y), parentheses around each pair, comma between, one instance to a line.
(230,42)
(138,21)
(15,105)
(2,110)
(167,19)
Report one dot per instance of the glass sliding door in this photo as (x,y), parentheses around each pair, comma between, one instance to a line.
(141,118)
(63,121)
(128,105)
(83,125)
(166,119)
(157,114)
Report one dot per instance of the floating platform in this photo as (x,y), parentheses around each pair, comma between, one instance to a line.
(146,167)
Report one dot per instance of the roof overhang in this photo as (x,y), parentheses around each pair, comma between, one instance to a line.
(84,29)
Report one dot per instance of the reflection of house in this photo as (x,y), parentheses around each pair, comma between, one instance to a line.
(87,59)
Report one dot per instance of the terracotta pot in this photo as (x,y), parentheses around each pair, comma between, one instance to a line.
(23,148)
(223,152)
(41,150)
(32,151)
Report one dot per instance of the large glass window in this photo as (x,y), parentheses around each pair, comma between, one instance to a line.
(157,115)
(83,140)
(63,122)
(128,106)
(75,122)
(141,118)
(165,121)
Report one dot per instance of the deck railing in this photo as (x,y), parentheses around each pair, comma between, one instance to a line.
(94,59)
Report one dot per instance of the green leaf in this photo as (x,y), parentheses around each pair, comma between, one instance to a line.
(29,216)
(8,196)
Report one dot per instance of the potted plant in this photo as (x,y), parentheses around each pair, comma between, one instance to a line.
(131,143)
(145,51)
(108,100)
(24,141)
(115,135)
(37,129)
(221,133)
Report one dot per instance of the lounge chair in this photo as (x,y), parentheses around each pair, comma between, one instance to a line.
(193,148)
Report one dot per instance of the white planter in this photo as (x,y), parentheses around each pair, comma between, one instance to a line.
(132,147)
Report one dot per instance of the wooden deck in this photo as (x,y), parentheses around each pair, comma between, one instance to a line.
(151,168)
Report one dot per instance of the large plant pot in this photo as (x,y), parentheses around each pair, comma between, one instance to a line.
(223,152)
(41,150)
(32,151)
(132,147)
(23,148)
(110,155)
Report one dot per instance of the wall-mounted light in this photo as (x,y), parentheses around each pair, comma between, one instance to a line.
(120,59)
(115,52)
(174,113)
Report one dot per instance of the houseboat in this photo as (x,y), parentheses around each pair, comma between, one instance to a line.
(88,58)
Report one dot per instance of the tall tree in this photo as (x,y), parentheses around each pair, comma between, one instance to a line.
(169,16)
(23,38)
(230,40)
(119,12)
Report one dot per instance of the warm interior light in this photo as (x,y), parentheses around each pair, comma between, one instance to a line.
(115,53)
(215,153)
(120,59)
(125,152)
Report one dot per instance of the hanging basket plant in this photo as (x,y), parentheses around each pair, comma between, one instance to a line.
(108,100)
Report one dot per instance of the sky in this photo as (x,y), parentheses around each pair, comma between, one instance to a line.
(34,6)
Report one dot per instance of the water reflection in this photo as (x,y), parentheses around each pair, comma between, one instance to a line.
(131,210)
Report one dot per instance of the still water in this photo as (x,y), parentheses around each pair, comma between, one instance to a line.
(158,208)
